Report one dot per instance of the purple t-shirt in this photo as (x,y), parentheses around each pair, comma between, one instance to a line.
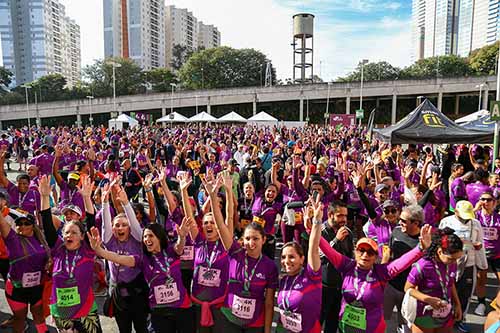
(44,163)
(71,197)
(457,190)
(246,308)
(475,190)
(424,275)
(67,162)
(132,247)
(491,230)
(28,201)
(300,295)
(380,230)
(27,259)
(211,272)
(261,210)
(162,272)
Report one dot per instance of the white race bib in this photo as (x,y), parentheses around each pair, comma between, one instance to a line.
(188,253)
(31,279)
(490,234)
(209,277)
(167,293)
(243,308)
(442,312)
(291,321)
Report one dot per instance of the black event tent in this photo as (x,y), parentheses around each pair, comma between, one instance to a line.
(483,123)
(426,124)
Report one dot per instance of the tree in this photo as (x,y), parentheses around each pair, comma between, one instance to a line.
(224,67)
(5,79)
(373,71)
(129,77)
(180,54)
(483,61)
(50,87)
(160,79)
(442,66)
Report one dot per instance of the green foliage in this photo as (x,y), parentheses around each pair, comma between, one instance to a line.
(180,55)
(483,61)
(160,79)
(5,79)
(442,66)
(224,67)
(373,71)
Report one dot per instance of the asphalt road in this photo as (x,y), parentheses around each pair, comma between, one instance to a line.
(109,326)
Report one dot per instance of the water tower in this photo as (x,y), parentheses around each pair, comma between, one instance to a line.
(303,46)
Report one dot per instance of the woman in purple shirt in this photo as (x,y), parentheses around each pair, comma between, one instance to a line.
(432,282)
(253,277)
(28,257)
(299,293)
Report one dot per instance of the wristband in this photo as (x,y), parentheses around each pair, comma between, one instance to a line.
(420,247)
(314,221)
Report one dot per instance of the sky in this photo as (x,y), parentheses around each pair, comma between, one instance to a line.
(345,31)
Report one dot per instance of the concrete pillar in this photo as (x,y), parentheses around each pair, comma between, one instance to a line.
(457,104)
(394,108)
(38,121)
(254,107)
(348,105)
(163,111)
(440,101)
(1,125)
(78,120)
(377,102)
(209,107)
(301,109)
(485,101)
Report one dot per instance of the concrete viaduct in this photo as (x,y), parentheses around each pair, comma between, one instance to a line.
(334,91)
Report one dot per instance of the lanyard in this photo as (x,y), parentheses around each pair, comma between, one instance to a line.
(21,198)
(360,292)
(444,283)
(248,211)
(165,269)
(492,222)
(213,255)
(286,296)
(71,269)
(248,279)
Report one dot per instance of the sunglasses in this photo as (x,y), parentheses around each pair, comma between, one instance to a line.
(405,221)
(486,199)
(23,223)
(370,252)
(390,211)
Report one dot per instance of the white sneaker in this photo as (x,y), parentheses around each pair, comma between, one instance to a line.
(480,310)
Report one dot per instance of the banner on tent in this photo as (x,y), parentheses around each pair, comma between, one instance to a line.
(342,119)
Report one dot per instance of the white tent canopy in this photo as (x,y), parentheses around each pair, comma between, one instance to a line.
(473,116)
(173,117)
(118,122)
(232,117)
(262,117)
(202,117)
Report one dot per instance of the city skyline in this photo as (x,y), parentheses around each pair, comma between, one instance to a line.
(345,31)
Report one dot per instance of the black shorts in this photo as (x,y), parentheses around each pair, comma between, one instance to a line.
(23,295)
(494,264)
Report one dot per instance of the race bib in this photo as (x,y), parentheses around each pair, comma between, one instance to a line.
(244,223)
(442,312)
(67,296)
(243,308)
(490,234)
(167,293)
(291,321)
(31,279)
(188,253)
(209,277)
(259,220)
(354,317)
(298,218)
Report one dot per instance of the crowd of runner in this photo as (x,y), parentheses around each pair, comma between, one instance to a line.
(178,228)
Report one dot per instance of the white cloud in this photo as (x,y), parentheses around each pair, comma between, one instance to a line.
(266,25)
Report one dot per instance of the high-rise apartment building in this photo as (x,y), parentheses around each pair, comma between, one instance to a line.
(135,29)
(441,27)
(183,28)
(39,39)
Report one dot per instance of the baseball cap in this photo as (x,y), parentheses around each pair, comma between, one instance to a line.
(74,176)
(381,187)
(465,210)
(25,218)
(73,208)
(367,241)
(290,143)
(233,162)
(389,203)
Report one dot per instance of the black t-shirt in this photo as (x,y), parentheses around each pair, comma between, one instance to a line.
(331,277)
(400,244)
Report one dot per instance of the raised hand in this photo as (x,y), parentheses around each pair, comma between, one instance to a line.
(148,181)
(186,225)
(94,238)
(308,157)
(184,180)
(44,186)
(425,236)
(122,196)
(105,191)
(86,188)
(317,206)
(356,179)
(227,181)
(407,171)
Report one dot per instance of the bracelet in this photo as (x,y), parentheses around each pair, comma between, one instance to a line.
(420,247)
(314,221)
(147,191)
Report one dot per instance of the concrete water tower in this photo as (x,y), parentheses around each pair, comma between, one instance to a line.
(303,46)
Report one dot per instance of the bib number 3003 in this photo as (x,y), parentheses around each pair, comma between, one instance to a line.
(354,317)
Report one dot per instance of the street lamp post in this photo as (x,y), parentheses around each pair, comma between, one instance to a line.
(327,103)
(202,79)
(115,65)
(495,139)
(173,85)
(26,87)
(196,102)
(363,62)
(480,86)
(91,120)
